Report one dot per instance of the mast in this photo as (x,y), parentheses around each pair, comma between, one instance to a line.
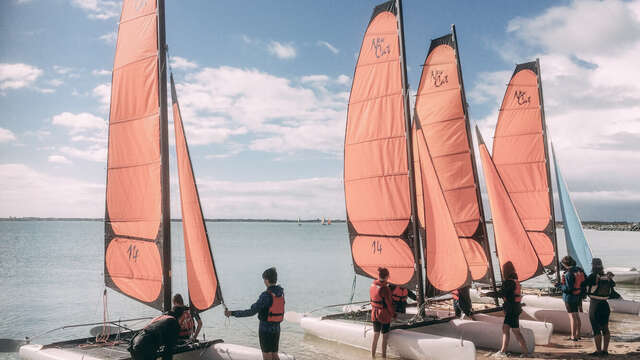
(164,150)
(547,165)
(487,249)
(412,186)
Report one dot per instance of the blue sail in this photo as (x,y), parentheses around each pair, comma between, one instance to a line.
(577,245)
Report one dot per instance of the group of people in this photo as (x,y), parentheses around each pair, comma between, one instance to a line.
(183,324)
(387,300)
(598,287)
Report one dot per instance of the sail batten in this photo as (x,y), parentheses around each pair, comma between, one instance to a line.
(376,184)
(135,214)
(202,280)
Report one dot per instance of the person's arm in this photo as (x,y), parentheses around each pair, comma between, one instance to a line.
(263,302)
(412,295)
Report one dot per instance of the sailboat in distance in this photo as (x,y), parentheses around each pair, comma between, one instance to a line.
(137,260)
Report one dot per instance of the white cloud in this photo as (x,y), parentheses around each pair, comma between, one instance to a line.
(87,132)
(178,62)
(58,159)
(92,152)
(109,38)
(102,92)
(27,192)
(16,76)
(343,79)
(55,82)
(98,9)
(6,135)
(282,51)
(278,115)
(101,72)
(77,123)
(62,70)
(246,39)
(331,48)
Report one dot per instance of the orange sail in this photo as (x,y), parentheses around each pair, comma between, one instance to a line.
(520,155)
(512,240)
(204,290)
(376,184)
(134,236)
(440,110)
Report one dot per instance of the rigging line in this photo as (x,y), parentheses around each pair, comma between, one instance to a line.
(353,287)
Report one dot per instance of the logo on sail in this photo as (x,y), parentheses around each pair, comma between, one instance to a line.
(381,49)
(439,78)
(522,98)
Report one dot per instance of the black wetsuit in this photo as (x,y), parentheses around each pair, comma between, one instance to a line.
(512,307)
(599,310)
(162,330)
(463,303)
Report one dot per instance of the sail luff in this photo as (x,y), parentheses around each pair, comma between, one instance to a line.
(417,253)
(202,277)
(545,136)
(577,245)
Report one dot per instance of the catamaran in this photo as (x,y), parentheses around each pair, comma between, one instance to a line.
(408,181)
(137,258)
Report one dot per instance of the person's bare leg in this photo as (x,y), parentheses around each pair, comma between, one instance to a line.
(578,325)
(520,338)
(266,356)
(597,339)
(506,330)
(275,356)
(572,322)
(374,344)
(607,336)
(385,336)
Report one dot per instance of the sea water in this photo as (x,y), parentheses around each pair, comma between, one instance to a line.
(51,275)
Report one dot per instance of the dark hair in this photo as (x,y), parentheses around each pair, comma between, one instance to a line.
(509,271)
(383,272)
(568,261)
(177,299)
(176,311)
(596,266)
(270,275)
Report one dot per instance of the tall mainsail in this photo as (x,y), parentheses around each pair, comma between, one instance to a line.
(521,158)
(512,240)
(204,289)
(137,226)
(444,148)
(577,245)
(376,185)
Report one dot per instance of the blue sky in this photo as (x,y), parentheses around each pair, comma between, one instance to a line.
(263,88)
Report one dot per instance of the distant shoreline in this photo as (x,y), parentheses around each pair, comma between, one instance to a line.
(594,225)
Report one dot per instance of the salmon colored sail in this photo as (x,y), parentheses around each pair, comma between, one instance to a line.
(204,291)
(440,109)
(133,218)
(512,240)
(446,265)
(520,155)
(376,184)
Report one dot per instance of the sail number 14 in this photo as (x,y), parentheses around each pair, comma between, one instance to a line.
(133,253)
(377,246)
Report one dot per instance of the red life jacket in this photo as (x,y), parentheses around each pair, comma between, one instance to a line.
(187,325)
(276,310)
(158,318)
(376,300)
(455,294)
(400,294)
(578,278)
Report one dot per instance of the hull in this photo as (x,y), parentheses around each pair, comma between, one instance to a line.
(556,303)
(542,331)
(402,343)
(559,319)
(625,275)
(218,351)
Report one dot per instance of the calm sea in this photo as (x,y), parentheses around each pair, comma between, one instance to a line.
(51,275)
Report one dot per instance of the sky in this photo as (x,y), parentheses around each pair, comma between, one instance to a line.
(263,88)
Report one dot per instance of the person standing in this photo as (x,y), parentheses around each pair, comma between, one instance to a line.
(399,295)
(599,287)
(188,320)
(571,286)
(462,301)
(162,330)
(382,311)
(270,310)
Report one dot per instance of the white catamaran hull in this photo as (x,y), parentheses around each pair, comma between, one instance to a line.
(403,343)
(625,275)
(559,319)
(219,351)
(542,331)
(556,303)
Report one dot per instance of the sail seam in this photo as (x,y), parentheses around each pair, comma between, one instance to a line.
(376,139)
(421,94)
(451,154)
(523,134)
(375,177)
(134,62)
(134,165)
(376,98)
(138,17)
(377,62)
(520,163)
(118,122)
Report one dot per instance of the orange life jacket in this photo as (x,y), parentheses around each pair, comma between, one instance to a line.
(400,294)
(158,318)
(187,324)
(276,310)
(455,294)
(376,300)
(578,278)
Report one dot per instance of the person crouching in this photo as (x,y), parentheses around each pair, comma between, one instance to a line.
(382,311)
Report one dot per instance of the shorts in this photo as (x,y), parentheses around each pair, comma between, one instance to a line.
(269,341)
(573,306)
(380,327)
(599,312)
(143,346)
(512,315)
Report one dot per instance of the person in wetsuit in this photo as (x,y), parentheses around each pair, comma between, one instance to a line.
(399,295)
(188,320)
(571,286)
(270,310)
(161,331)
(462,301)
(382,310)
(599,287)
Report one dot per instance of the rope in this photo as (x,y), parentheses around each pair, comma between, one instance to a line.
(353,288)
